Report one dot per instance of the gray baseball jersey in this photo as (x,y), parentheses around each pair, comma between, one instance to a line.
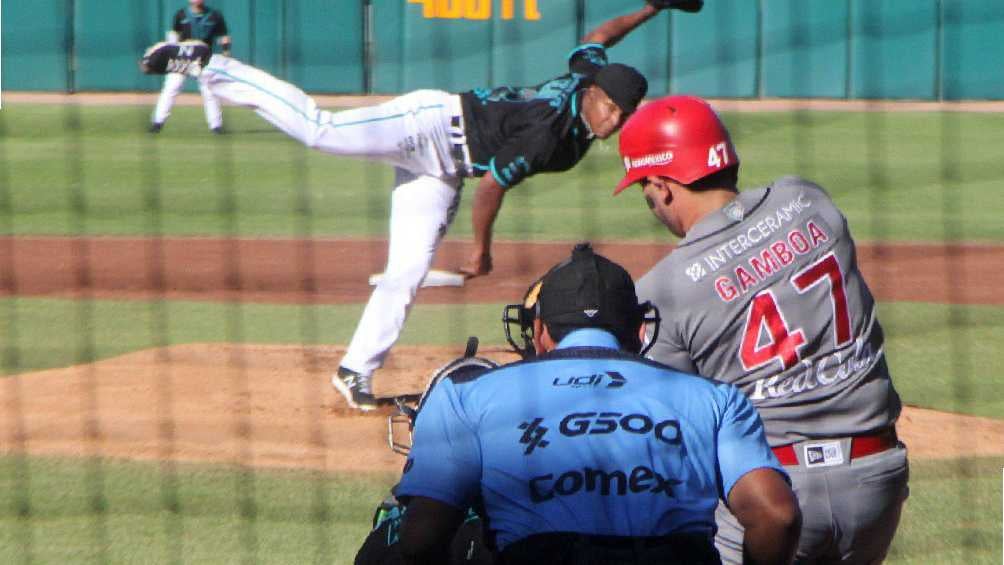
(765,294)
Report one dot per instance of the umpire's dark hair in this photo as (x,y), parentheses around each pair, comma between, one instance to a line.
(626,333)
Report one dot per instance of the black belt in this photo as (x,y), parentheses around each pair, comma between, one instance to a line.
(458,147)
(579,548)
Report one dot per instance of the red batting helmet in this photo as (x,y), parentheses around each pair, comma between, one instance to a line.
(680,137)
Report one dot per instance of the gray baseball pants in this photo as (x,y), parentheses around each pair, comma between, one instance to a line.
(849,512)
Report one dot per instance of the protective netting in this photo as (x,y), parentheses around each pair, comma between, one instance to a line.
(174,305)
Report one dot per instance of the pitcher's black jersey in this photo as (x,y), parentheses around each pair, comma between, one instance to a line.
(515,132)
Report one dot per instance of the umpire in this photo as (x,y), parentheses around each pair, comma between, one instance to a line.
(201,23)
(588,452)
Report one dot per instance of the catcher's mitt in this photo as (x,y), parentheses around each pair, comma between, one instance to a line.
(683,5)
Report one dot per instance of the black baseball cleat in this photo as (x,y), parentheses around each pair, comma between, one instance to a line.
(219,131)
(155,127)
(355,388)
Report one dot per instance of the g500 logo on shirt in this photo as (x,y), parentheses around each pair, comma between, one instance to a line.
(476,9)
(605,483)
(579,424)
(593,423)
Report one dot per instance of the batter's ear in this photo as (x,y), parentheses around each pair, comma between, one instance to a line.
(663,188)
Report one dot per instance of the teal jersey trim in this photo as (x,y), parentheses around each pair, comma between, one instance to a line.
(314,120)
(584,46)
(495,174)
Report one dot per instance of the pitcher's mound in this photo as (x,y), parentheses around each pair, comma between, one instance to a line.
(257,405)
(273,406)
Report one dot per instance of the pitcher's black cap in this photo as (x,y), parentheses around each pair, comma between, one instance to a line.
(588,290)
(623,84)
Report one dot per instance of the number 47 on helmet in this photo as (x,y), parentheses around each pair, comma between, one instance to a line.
(678,137)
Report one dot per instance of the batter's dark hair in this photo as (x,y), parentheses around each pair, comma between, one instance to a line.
(725,178)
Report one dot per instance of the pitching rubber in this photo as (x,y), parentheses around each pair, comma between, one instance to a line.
(436,277)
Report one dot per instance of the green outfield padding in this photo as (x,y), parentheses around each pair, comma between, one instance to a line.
(805,46)
(324,45)
(451,55)
(266,50)
(110,39)
(714,53)
(527,52)
(647,48)
(894,49)
(970,46)
(35,37)
(733,48)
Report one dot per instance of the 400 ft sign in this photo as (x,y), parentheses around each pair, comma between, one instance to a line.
(476,9)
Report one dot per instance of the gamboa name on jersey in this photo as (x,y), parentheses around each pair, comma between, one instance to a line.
(774,257)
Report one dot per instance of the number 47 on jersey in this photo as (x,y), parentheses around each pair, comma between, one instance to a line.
(765,318)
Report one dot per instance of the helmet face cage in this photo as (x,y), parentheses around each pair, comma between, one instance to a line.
(651,318)
(401,424)
(523,314)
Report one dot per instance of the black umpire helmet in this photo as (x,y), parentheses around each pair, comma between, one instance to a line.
(584,291)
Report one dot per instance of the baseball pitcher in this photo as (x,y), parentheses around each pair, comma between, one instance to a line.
(764,292)
(434,140)
(196,23)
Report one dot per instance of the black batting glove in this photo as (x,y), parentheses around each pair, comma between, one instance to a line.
(682,5)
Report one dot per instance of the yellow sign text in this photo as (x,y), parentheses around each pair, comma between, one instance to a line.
(476,9)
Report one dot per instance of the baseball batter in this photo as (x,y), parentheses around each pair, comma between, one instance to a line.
(764,292)
(201,23)
(434,140)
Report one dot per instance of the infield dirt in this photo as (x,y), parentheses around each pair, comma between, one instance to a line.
(337,271)
(272,406)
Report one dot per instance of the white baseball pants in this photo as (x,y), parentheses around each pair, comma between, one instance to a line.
(415,134)
(173,83)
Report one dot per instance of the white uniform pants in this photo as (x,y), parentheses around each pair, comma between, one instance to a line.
(415,134)
(173,83)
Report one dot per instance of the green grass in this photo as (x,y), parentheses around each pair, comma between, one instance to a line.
(84,511)
(953,514)
(941,357)
(44,333)
(88,511)
(95,170)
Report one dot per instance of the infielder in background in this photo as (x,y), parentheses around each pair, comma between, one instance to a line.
(588,452)
(764,292)
(434,140)
(197,22)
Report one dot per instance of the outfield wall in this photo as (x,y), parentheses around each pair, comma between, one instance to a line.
(897,49)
